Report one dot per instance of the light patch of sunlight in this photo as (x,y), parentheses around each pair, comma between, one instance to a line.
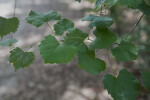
(105,96)
(35,2)
(29,41)
(76,5)
(39,2)
(80,23)
(79,6)
(6,9)
(77,93)
(8,87)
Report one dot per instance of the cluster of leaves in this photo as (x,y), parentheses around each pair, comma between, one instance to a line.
(123,87)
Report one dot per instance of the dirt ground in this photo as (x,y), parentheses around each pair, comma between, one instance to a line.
(50,81)
(46,82)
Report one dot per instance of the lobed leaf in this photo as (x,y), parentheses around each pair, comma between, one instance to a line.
(126,51)
(8,25)
(104,38)
(100,22)
(54,52)
(75,37)
(38,19)
(124,87)
(88,62)
(62,26)
(21,59)
(8,42)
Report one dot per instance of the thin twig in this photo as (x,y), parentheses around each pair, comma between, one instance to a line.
(134,26)
(89,39)
(15,8)
(101,11)
(6,51)
(33,45)
(50,27)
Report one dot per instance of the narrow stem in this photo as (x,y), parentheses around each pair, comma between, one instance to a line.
(134,26)
(50,27)
(33,45)
(101,9)
(15,8)
(6,51)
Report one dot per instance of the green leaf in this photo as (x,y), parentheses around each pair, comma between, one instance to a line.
(124,87)
(75,37)
(126,51)
(78,0)
(88,62)
(131,3)
(8,42)
(146,79)
(105,38)
(21,59)
(106,3)
(101,22)
(8,25)
(62,26)
(37,19)
(54,52)
(99,3)
(90,17)
(110,3)
(145,9)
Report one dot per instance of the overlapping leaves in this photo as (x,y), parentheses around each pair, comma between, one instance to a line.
(75,38)
(62,26)
(88,62)
(104,38)
(101,22)
(54,52)
(124,87)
